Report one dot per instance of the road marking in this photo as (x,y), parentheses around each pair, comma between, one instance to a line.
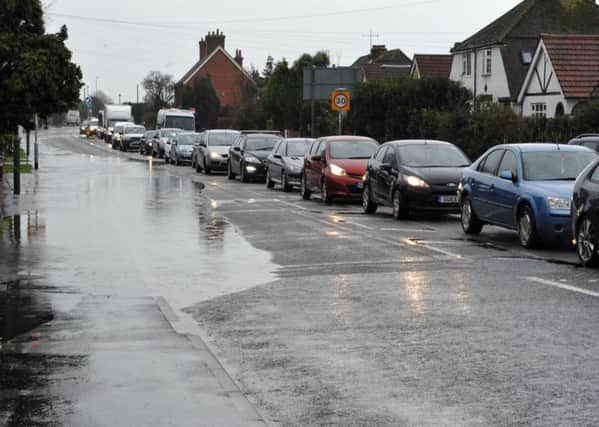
(409,230)
(559,285)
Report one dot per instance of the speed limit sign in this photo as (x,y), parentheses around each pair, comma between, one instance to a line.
(340,101)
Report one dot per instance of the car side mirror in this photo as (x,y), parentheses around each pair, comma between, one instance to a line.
(237,149)
(508,176)
(386,166)
(316,158)
(203,144)
(278,156)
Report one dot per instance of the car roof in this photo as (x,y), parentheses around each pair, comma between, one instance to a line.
(222,131)
(347,138)
(530,147)
(263,135)
(301,139)
(418,142)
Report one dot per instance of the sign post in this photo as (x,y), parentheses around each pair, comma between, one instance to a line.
(341,102)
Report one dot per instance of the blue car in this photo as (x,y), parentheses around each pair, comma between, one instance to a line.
(523,187)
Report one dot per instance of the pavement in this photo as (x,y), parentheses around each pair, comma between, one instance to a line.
(204,301)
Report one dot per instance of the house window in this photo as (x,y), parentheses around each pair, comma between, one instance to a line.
(539,110)
(526,57)
(488,62)
(467,64)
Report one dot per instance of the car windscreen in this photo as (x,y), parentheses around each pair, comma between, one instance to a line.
(432,156)
(181,122)
(169,133)
(93,122)
(352,149)
(298,148)
(187,139)
(263,143)
(555,165)
(134,130)
(225,139)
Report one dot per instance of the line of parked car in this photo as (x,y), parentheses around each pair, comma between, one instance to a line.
(545,192)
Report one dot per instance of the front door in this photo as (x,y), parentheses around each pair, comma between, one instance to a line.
(506,192)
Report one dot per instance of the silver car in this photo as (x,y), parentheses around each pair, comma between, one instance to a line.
(182,147)
(163,148)
(212,152)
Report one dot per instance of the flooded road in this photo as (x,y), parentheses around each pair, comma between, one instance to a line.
(138,293)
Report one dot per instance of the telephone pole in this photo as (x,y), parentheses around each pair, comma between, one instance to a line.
(371,35)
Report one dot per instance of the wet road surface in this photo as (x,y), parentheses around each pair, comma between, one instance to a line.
(138,276)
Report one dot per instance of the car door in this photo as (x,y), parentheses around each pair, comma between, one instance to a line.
(388,175)
(319,167)
(373,168)
(309,165)
(202,148)
(275,160)
(483,184)
(235,155)
(506,192)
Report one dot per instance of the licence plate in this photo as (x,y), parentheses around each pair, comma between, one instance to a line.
(360,185)
(448,199)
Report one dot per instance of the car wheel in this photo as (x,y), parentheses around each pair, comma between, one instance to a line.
(400,207)
(269,182)
(230,173)
(586,244)
(325,197)
(470,222)
(368,205)
(177,161)
(527,228)
(285,183)
(242,177)
(304,191)
(206,168)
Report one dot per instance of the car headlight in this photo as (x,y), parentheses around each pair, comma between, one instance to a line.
(214,155)
(559,203)
(337,171)
(251,159)
(414,181)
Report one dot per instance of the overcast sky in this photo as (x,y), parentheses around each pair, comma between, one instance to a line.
(120,41)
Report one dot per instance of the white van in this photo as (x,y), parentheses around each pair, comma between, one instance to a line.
(175,118)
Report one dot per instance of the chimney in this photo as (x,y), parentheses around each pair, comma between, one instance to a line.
(214,40)
(239,58)
(377,50)
(203,49)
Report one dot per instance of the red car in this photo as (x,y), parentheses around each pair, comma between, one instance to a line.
(335,166)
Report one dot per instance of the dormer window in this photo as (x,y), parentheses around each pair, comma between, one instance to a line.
(526,57)
(467,64)
(488,62)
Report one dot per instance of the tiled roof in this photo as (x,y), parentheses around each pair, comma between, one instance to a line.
(575,59)
(530,18)
(390,57)
(433,65)
(385,72)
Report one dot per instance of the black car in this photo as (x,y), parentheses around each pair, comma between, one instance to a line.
(284,163)
(248,154)
(147,141)
(585,215)
(414,175)
(589,140)
(211,153)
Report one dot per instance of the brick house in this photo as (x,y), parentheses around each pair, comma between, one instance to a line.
(226,72)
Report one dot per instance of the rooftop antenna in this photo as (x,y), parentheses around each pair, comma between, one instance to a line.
(371,35)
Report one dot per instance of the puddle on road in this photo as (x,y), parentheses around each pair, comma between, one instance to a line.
(18,229)
(22,309)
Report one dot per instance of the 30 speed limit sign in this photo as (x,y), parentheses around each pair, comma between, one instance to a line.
(340,101)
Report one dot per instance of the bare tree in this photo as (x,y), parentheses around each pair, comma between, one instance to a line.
(160,89)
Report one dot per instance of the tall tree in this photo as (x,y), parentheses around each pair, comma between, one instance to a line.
(203,98)
(36,72)
(160,89)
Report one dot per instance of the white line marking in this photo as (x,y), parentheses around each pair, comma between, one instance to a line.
(540,281)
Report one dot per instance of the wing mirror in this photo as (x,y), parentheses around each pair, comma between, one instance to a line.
(278,156)
(386,166)
(508,176)
(316,158)
(237,149)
